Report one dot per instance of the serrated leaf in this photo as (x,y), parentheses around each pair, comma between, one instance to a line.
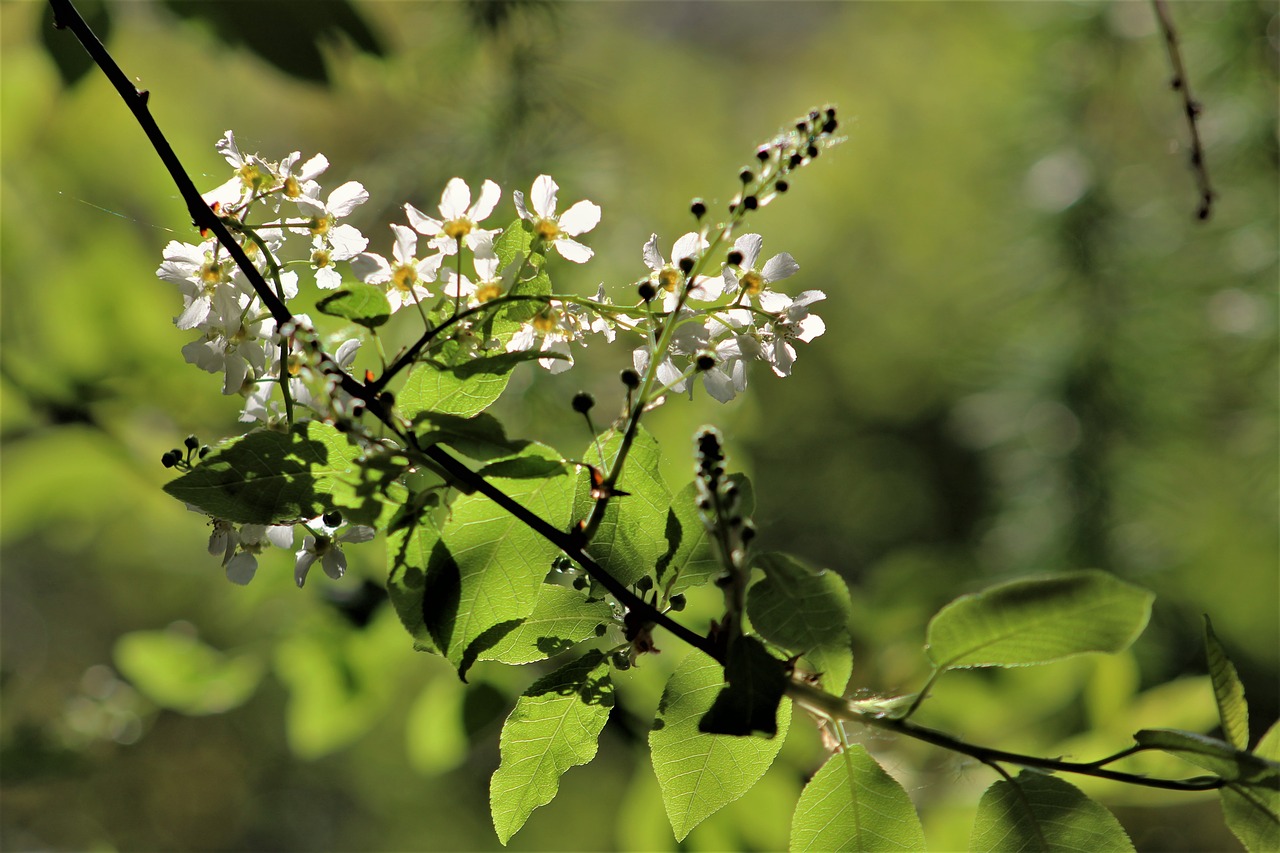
(852,804)
(748,703)
(177,671)
(1214,755)
(700,773)
(690,556)
(561,619)
(513,243)
(480,437)
(465,390)
(363,304)
(488,577)
(1253,812)
(1039,620)
(269,477)
(409,553)
(626,544)
(1227,690)
(556,725)
(804,611)
(1035,812)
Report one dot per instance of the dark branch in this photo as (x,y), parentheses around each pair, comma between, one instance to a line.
(1190,109)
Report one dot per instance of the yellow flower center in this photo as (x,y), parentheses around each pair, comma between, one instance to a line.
(320,258)
(211,273)
(294,364)
(404,277)
(752,281)
(486,292)
(668,279)
(457,228)
(547,230)
(545,320)
(320,225)
(251,176)
(291,187)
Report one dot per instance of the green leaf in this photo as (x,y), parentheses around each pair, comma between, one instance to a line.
(513,243)
(1253,812)
(701,773)
(561,619)
(363,304)
(465,390)
(435,737)
(409,553)
(805,611)
(1039,620)
(627,544)
(1227,690)
(480,437)
(1214,755)
(749,702)
(488,574)
(269,477)
(1043,813)
(691,556)
(852,804)
(555,725)
(177,671)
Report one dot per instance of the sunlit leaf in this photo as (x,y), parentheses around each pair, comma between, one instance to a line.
(852,804)
(627,544)
(269,477)
(690,555)
(1214,755)
(561,618)
(1253,812)
(804,611)
(1227,690)
(409,550)
(1035,812)
(700,773)
(1039,620)
(555,725)
(177,671)
(465,390)
(363,304)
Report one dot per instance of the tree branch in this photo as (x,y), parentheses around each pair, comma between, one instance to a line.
(1190,108)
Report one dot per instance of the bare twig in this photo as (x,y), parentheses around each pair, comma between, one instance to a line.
(1190,108)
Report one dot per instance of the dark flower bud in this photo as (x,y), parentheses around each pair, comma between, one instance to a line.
(830,126)
(802,126)
(582,402)
(762,153)
(782,186)
(631,379)
(580,582)
(647,290)
(831,113)
(704,361)
(750,202)
(734,258)
(746,175)
(621,661)
(814,115)
(332,519)
(388,400)
(812,151)
(748,532)
(698,208)
(644,584)
(191,442)
(686,265)
(795,161)
(204,451)
(601,629)
(733,206)
(170,458)
(677,602)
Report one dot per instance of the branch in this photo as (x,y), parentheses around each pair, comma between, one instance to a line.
(202,216)
(1190,108)
(835,708)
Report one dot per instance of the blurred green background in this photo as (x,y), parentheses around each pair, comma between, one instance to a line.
(1036,359)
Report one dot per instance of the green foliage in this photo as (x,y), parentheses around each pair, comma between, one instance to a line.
(1227,690)
(1217,756)
(555,725)
(692,559)
(268,477)
(1035,812)
(1253,812)
(363,304)
(561,618)
(807,612)
(702,773)
(465,390)
(1038,620)
(852,804)
(748,703)
(176,671)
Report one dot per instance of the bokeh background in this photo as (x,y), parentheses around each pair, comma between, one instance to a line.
(1036,359)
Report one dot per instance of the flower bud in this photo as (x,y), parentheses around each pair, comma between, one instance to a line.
(750,202)
(704,360)
(698,208)
(582,402)
(332,519)
(734,258)
(686,265)
(647,291)
(782,186)
(644,584)
(631,379)
(170,458)
(746,175)
(191,442)
(678,602)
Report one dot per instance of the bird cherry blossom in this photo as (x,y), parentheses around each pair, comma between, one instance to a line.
(555,230)
(459,218)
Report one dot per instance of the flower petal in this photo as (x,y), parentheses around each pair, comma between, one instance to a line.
(652,257)
(572,250)
(543,196)
(347,198)
(422,223)
(778,267)
(490,194)
(455,199)
(749,245)
(580,218)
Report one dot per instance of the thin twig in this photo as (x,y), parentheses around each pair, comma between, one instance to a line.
(1190,107)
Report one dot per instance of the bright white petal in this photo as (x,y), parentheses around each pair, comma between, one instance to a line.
(572,250)
(406,244)
(652,257)
(557,365)
(347,242)
(490,194)
(347,198)
(774,302)
(749,245)
(778,267)
(517,198)
(422,223)
(543,196)
(313,168)
(455,199)
(688,246)
(810,327)
(580,218)
(371,268)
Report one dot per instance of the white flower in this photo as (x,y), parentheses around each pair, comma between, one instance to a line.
(554,230)
(668,277)
(550,330)
(324,215)
(753,281)
(209,292)
(341,243)
(326,548)
(297,182)
(254,539)
(403,278)
(792,322)
(253,175)
(459,218)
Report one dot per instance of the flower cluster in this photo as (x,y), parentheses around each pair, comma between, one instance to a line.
(240,546)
